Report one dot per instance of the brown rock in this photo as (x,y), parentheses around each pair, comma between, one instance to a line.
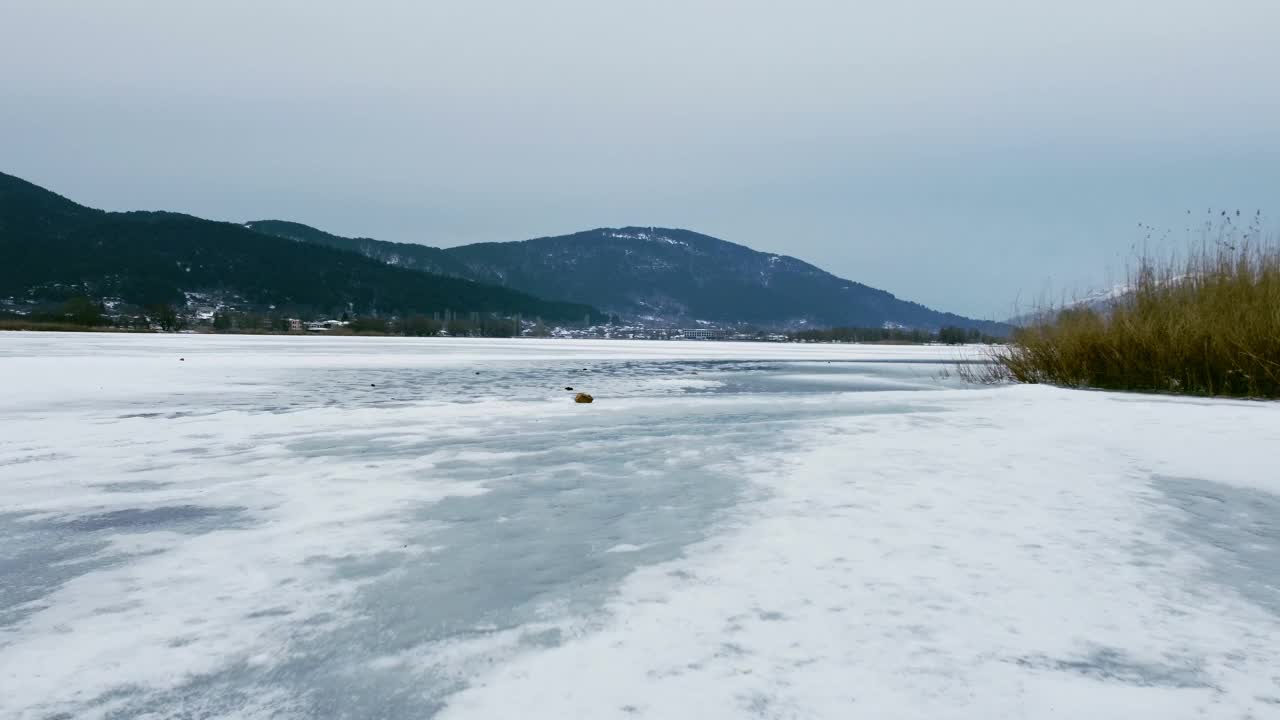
(583,398)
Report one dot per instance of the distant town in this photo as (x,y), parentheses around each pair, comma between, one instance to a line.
(218,313)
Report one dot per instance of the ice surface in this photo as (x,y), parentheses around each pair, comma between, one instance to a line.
(214,526)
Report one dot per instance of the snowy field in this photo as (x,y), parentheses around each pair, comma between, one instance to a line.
(272,527)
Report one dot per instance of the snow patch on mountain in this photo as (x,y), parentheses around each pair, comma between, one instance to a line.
(650,237)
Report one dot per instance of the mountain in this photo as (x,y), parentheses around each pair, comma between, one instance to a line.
(53,247)
(1102,302)
(669,275)
(406,255)
(1099,301)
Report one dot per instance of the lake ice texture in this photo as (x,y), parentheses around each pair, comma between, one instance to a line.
(297,527)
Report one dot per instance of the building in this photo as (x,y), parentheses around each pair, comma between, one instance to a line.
(703,334)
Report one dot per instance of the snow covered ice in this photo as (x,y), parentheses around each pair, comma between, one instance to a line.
(253,527)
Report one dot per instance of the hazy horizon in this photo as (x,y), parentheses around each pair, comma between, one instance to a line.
(967,158)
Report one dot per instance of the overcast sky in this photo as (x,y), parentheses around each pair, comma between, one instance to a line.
(968,154)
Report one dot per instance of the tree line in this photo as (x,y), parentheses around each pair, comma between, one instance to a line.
(82,312)
(948,335)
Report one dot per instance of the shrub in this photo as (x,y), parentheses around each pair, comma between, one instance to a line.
(1209,325)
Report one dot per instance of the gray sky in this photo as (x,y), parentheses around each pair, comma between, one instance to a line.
(968,154)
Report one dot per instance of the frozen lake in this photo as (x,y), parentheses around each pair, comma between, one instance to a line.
(254,527)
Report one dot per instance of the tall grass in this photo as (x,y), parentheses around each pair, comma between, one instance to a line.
(1205,325)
